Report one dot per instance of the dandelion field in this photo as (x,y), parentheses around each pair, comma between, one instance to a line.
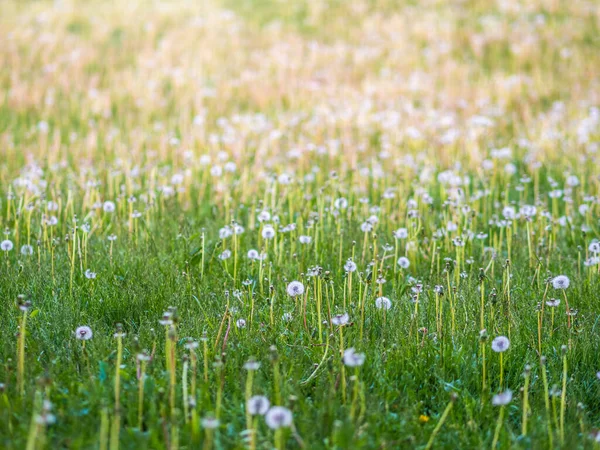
(305,225)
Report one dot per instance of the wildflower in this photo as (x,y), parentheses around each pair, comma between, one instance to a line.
(594,247)
(561,282)
(252,364)
(191,344)
(277,417)
(89,274)
(258,405)
(500,344)
(295,288)
(503,398)
(352,358)
(403,262)
(253,254)
(268,232)
(210,422)
(225,232)
(340,203)
(423,418)
(226,254)
(383,303)
(240,323)
(340,319)
(167,318)
(350,266)
(553,302)
(46,417)
(264,216)
(401,233)
(83,333)
(108,207)
(26,250)
(304,239)
(6,245)
(143,356)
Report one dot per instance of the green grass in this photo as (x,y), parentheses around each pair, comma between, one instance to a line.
(195,115)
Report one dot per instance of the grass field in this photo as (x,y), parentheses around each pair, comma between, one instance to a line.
(303,224)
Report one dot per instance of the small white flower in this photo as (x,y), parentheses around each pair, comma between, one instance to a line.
(383,303)
(352,358)
(264,216)
(26,250)
(226,254)
(268,232)
(500,344)
(225,232)
(561,282)
(240,323)
(401,233)
(340,319)
(83,333)
(6,245)
(258,405)
(403,262)
(350,266)
(252,364)
(304,239)
(89,274)
(340,203)
(503,398)
(108,207)
(278,417)
(295,288)
(210,423)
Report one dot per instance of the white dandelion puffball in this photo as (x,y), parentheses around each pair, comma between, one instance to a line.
(278,417)
(26,250)
(561,282)
(383,303)
(403,262)
(83,333)
(108,207)
(401,233)
(304,239)
(352,358)
(503,398)
(268,232)
(500,344)
(350,266)
(210,423)
(258,405)
(6,245)
(295,288)
(89,274)
(340,319)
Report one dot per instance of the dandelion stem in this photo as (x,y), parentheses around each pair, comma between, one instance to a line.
(440,423)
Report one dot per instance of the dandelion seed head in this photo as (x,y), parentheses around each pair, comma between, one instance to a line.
(83,333)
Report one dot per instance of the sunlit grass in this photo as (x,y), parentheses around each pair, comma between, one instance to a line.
(302,224)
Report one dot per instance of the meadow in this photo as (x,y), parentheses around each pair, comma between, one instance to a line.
(303,224)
